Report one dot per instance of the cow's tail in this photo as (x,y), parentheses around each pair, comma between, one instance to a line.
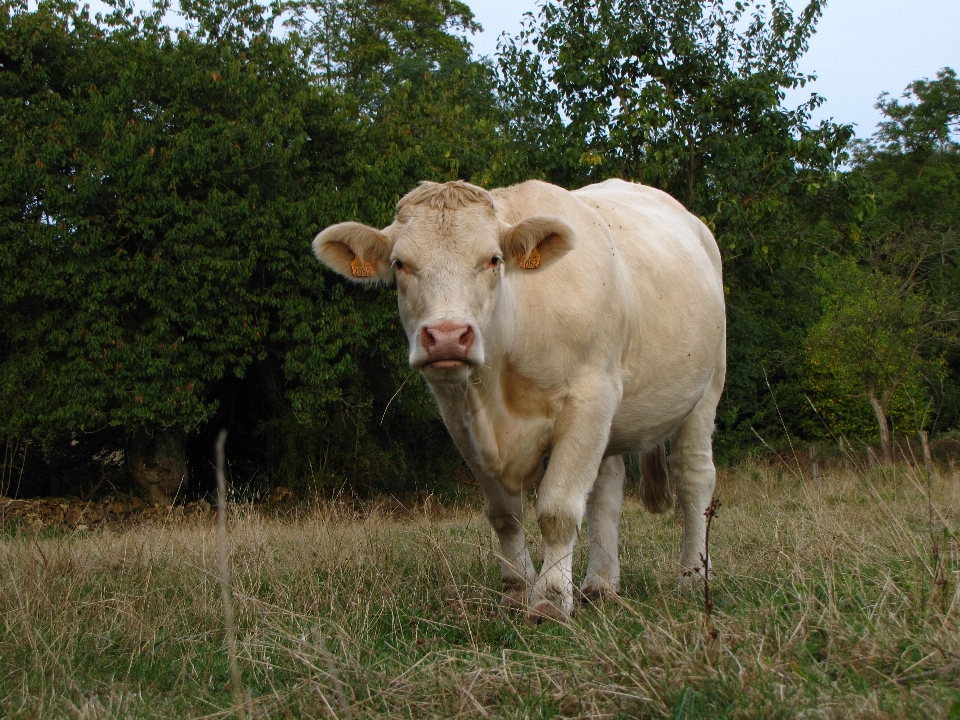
(655,481)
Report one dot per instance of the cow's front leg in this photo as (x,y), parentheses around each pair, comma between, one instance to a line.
(604,507)
(505,513)
(583,431)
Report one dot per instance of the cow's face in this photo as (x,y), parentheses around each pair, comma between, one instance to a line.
(450,256)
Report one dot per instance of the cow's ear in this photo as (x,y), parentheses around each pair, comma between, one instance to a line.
(358,252)
(537,241)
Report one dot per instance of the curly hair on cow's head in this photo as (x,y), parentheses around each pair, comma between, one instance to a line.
(445,196)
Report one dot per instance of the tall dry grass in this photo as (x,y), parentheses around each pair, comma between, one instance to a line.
(835,599)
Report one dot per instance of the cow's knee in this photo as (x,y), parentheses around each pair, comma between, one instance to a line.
(502,522)
(557,528)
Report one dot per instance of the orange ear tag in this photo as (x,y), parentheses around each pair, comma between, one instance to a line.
(531,261)
(360,268)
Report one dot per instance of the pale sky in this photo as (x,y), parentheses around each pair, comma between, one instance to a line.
(862,48)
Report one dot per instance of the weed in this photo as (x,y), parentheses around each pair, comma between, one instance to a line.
(820,596)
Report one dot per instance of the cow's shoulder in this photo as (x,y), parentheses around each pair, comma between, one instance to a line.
(533,197)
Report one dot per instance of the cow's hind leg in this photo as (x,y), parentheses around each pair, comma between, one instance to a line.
(505,514)
(694,475)
(603,522)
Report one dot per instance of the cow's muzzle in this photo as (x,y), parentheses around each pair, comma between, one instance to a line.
(446,351)
(446,345)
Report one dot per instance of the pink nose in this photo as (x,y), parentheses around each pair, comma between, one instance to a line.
(446,341)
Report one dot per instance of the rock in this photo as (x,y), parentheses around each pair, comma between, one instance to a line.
(75,514)
(94,514)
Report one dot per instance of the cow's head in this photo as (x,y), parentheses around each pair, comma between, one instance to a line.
(450,256)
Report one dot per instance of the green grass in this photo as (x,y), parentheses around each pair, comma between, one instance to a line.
(829,602)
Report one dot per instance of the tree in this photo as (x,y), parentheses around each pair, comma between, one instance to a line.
(913,162)
(687,96)
(878,336)
(158,191)
(138,163)
(419,108)
(684,95)
(147,178)
(924,127)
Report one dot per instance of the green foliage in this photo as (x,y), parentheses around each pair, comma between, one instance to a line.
(913,162)
(927,126)
(870,342)
(419,109)
(158,190)
(687,96)
(132,217)
(683,95)
(146,210)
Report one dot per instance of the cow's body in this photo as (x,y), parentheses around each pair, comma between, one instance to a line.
(595,328)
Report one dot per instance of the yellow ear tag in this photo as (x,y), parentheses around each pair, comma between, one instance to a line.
(531,261)
(360,268)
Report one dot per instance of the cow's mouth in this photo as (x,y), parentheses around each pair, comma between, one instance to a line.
(447,371)
(446,365)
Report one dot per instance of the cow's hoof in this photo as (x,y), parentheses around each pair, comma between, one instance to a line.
(551,605)
(546,610)
(597,593)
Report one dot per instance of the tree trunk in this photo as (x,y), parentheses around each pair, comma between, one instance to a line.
(886,444)
(157,461)
(691,170)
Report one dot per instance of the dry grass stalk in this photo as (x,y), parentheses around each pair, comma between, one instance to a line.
(229,625)
(704,570)
(825,604)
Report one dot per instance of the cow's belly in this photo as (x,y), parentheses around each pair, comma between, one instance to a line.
(638,428)
(661,392)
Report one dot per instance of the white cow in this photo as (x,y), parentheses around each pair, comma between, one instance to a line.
(571,327)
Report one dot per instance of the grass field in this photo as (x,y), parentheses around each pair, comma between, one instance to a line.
(835,599)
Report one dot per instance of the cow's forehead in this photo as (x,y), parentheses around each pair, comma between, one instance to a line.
(465,230)
(443,196)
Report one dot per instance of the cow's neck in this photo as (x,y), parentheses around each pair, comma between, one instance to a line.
(499,420)
(501,426)
(465,416)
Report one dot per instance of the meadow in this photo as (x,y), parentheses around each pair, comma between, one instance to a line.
(834,598)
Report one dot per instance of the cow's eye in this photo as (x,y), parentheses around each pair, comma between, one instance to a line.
(398,265)
(494,261)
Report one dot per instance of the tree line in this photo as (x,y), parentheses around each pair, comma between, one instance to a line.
(163,172)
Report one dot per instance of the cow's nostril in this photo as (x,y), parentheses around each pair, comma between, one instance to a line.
(447,341)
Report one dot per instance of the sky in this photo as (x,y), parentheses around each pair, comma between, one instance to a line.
(862,48)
